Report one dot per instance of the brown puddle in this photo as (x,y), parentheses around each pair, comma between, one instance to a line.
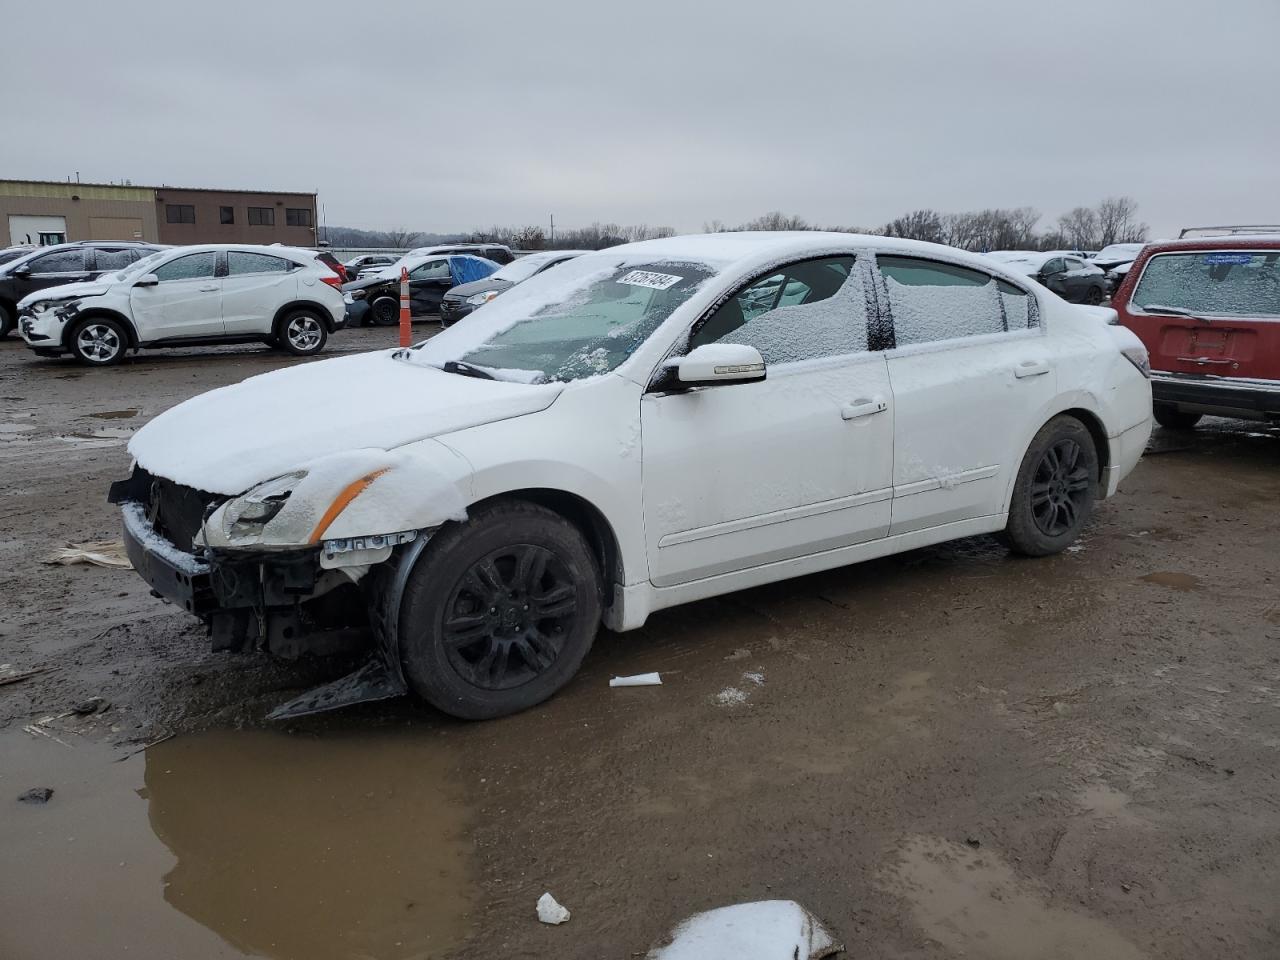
(346,845)
(1176,581)
(973,903)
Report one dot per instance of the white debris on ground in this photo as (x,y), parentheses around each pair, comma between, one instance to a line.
(100,553)
(638,680)
(731,697)
(736,696)
(764,930)
(549,911)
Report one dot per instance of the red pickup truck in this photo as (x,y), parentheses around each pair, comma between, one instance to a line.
(1208,311)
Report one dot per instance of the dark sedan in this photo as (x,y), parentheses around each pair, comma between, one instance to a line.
(377,299)
(465,298)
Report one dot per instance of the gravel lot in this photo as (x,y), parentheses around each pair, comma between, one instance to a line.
(947,753)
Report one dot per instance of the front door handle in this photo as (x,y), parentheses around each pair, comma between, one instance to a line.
(863,407)
(1031,368)
(213,289)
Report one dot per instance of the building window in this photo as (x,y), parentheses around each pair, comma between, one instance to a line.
(179,213)
(262,217)
(297,216)
(226,214)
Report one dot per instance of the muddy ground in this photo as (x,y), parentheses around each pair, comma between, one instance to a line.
(947,753)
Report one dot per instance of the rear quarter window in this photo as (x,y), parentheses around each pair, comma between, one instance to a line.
(1233,283)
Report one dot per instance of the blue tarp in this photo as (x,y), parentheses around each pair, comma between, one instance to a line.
(465,269)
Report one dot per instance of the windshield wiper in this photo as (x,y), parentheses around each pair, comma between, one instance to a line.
(1176,311)
(467,370)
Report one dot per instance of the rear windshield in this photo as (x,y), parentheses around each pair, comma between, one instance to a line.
(1218,282)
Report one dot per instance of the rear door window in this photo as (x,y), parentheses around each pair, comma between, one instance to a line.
(109,260)
(240,263)
(931,301)
(1221,283)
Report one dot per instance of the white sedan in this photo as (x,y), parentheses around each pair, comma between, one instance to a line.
(641,427)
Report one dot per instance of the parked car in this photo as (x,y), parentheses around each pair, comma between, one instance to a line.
(376,299)
(368,261)
(1208,310)
(635,429)
(1069,277)
(496,252)
(1112,255)
(185,296)
(13,253)
(465,298)
(63,263)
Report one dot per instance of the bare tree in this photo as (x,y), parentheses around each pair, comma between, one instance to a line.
(1078,229)
(400,237)
(1118,223)
(917,225)
(531,237)
(715,226)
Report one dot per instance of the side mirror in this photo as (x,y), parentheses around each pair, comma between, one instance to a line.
(715,364)
(149,280)
(23,271)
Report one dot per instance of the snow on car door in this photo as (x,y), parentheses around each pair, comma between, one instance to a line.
(256,285)
(741,475)
(186,302)
(970,370)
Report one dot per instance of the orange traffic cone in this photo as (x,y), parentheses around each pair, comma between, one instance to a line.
(405,319)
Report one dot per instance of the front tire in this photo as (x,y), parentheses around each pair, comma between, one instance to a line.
(1171,418)
(99,342)
(6,320)
(1094,296)
(385,311)
(499,612)
(1055,490)
(302,333)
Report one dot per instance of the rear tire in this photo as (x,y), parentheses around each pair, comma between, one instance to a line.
(1056,486)
(499,612)
(98,342)
(1171,418)
(302,333)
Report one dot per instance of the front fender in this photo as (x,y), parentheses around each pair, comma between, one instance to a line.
(359,493)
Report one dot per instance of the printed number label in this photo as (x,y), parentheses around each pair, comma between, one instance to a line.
(655,281)
(1239,258)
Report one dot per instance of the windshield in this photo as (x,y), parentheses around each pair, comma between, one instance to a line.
(139,267)
(581,319)
(1217,283)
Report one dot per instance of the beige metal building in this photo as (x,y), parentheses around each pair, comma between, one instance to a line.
(44,212)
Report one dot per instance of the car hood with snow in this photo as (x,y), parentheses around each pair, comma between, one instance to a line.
(230,439)
(67,291)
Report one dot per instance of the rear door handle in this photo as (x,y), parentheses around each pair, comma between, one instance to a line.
(213,289)
(1031,368)
(863,407)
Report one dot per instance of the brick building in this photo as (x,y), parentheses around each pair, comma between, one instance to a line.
(43,212)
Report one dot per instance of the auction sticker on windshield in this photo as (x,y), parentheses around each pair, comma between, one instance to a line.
(656,281)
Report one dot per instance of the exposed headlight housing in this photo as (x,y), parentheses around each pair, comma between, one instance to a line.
(477,299)
(249,513)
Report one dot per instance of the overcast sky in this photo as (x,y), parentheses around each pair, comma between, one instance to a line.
(450,116)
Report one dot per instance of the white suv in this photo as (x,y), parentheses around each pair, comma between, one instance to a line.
(186,296)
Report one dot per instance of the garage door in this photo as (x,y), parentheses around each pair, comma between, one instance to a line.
(40,230)
(115,228)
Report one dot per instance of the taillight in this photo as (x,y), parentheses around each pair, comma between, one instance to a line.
(333,280)
(1138,356)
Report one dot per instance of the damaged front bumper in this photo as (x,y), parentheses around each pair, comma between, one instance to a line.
(283,602)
